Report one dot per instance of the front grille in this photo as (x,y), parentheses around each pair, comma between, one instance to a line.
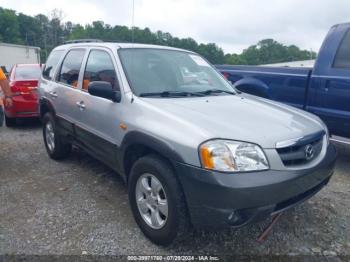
(303,151)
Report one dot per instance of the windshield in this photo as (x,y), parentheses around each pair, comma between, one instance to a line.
(153,72)
(28,72)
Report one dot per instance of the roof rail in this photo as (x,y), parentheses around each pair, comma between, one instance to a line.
(83,41)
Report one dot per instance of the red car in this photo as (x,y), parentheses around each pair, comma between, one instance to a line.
(24,82)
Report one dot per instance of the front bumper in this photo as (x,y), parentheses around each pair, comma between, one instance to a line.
(218,199)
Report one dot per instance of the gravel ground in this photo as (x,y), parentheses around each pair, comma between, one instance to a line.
(79,206)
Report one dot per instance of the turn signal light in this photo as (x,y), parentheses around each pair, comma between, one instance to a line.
(207,160)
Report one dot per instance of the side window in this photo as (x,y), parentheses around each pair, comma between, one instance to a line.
(70,68)
(342,58)
(51,64)
(99,67)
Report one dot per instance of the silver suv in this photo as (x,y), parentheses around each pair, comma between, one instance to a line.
(192,149)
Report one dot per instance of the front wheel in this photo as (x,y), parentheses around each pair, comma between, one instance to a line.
(55,146)
(157,201)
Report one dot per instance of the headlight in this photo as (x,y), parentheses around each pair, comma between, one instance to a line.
(232,156)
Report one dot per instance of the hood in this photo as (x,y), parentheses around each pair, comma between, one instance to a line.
(238,117)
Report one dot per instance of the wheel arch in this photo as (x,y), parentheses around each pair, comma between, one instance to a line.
(137,144)
(45,106)
(253,86)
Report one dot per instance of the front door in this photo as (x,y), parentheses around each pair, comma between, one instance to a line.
(98,127)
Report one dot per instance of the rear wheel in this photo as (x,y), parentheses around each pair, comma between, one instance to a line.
(10,122)
(157,201)
(56,147)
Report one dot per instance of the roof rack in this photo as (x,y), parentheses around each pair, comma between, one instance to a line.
(83,41)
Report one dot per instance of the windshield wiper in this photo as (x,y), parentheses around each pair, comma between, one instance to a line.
(216,91)
(171,94)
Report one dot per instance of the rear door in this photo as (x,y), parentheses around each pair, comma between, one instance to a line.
(47,86)
(333,92)
(68,89)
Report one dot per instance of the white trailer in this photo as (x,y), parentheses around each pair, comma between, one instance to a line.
(11,54)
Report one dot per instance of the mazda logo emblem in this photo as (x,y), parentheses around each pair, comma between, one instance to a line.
(309,152)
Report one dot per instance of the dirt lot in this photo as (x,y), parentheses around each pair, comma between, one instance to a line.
(79,206)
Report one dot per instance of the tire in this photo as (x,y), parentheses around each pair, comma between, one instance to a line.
(177,223)
(1,116)
(10,122)
(55,146)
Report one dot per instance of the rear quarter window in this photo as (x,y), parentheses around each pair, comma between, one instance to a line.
(51,64)
(342,58)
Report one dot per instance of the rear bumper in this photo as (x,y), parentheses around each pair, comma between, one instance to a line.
(219,199)
(22,107)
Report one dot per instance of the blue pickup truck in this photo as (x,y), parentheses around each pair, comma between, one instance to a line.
(323,90)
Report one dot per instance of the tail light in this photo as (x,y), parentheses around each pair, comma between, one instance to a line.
(15,89)
(226,75)
(23,88)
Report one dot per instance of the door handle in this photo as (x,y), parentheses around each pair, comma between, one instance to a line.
(81,105)
(53,94)
(327,85)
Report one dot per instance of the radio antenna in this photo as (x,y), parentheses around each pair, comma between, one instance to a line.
(132,40)
(133,21)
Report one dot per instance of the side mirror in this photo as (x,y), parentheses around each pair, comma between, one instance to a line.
(105,90)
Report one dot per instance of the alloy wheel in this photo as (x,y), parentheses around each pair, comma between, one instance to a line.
(151,201)
(50,136)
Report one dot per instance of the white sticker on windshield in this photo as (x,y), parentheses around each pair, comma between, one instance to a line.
(199,61)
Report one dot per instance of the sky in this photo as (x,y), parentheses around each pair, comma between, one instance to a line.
(232,24)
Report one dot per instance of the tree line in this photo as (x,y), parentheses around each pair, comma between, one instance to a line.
(49,31)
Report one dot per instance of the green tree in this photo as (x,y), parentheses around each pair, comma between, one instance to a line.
(268,51)
(9,27)
(212,52)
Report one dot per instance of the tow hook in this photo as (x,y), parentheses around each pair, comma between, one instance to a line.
(263,236)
